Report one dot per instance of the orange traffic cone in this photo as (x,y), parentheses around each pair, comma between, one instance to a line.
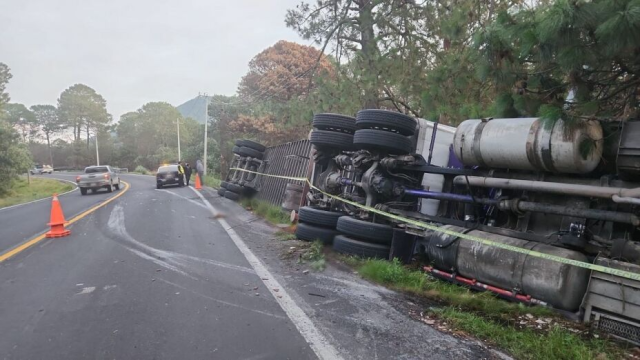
(57,220)
(198,184)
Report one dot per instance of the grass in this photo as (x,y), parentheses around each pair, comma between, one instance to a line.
(487,317)
(394,274)
(21,192)
(270,212)
(314,256)
(284,235)
(312,253)
(557,343)
(209,180)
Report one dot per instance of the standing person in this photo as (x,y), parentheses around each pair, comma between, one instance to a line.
(200,170)
(187,173)
(181,171)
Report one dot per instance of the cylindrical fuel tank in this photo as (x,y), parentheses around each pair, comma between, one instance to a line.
(527,144)
(560,285)
(292,197)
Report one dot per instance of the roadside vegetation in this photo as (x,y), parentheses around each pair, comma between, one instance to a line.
(284,235)
(311,253)
(141,170)
(270,212)
(525,343)
(314,256)
(209,180)
(21,191)
(525,332)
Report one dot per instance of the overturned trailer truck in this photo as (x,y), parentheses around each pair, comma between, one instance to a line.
(569,190)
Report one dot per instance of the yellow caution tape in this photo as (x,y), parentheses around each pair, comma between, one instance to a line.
(582,264)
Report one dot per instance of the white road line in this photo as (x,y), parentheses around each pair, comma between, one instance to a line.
(182,197)
(49,197)
(306,327)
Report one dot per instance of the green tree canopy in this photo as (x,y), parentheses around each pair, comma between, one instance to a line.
(15,158)
(375,36)
(21,119)
(149,135)
(48,122)
(81,107)
(5,76)
(576,59)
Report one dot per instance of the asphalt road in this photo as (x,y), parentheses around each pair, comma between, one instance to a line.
(148,276)
(22,222)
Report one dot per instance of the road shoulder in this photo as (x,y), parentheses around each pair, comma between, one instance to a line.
(41,188)
(361,319)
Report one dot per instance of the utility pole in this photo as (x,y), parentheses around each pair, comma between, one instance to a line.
(206,125)
(178,124)
(97,152)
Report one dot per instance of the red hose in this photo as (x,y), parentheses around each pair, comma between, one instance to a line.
(472,283)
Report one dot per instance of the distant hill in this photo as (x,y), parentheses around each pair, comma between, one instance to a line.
(194,108)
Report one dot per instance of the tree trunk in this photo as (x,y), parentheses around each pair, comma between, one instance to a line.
(369,53)
(50,153)
(88,136)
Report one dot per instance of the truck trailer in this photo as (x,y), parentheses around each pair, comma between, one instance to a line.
(566,189)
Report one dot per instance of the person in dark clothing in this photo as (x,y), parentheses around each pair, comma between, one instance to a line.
(187,173)
(200,170)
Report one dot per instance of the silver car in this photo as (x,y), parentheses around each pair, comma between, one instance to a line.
(40,169)
(98,177)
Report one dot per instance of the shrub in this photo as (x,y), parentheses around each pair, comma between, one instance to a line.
(141,170)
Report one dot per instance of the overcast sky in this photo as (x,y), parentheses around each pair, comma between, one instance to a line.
(135,51)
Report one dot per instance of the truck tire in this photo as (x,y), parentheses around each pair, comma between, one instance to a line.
(231,195)
(235,188)
(224,184)
(308,232)
(331,139)
(83,191)
(386,120)
(334,122)
(249,152)
(346,245)
(365,230)
(221,192)
(381,140)
(251,145)
(314,216)
(110,188)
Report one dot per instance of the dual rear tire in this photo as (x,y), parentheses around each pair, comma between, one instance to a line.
(316,224)
(249,152)
(384,131)
(363,238)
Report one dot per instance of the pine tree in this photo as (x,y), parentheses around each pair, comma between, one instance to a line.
(571,59)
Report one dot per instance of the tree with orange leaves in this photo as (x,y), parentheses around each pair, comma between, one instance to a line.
(283,72)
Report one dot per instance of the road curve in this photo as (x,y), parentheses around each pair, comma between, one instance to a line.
(25,221)
(149,275)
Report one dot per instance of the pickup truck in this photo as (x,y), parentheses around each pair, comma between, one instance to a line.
(98,177)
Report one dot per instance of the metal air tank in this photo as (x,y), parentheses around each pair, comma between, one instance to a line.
(527,144)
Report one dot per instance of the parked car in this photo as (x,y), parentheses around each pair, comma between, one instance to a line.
(98,177)
(168,175)
(41,169)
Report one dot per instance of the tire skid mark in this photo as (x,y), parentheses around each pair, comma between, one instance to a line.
(168,259)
